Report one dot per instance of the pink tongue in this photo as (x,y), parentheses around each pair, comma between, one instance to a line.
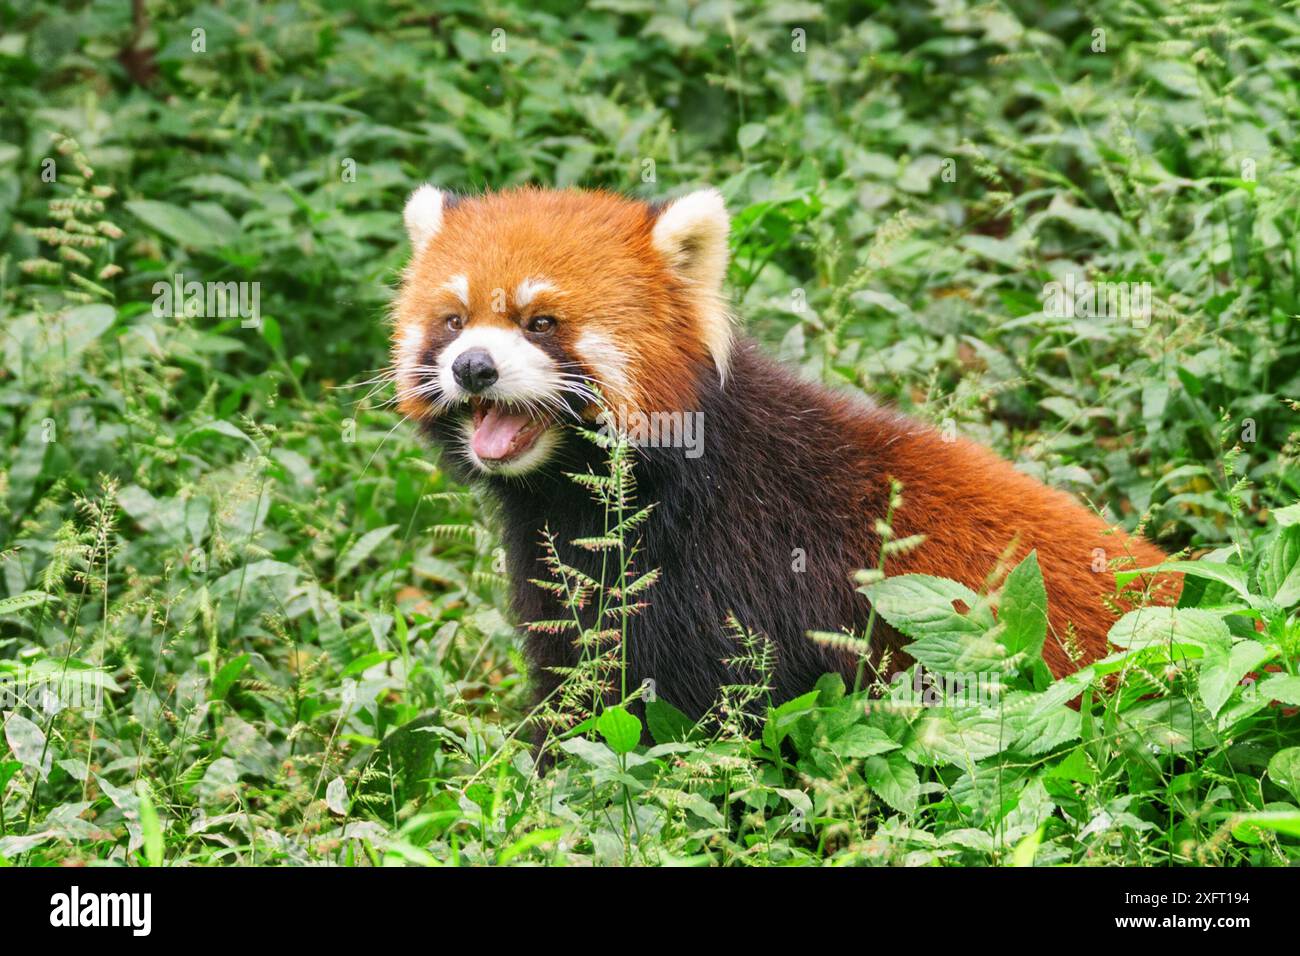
(496,432)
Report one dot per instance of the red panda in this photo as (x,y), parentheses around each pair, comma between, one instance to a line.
(523,314)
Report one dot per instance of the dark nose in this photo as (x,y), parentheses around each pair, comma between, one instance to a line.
(474,370)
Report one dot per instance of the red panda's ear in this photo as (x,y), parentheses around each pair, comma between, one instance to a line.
(423,215)
(691,234)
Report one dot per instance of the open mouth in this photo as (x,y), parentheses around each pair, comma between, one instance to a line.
(503,432)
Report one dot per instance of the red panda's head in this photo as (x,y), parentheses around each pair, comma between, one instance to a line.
(520,310)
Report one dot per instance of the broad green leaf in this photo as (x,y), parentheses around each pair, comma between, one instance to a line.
(1287,517)
(1027,849)
(667,724)
(947,640)
(336,796)
(621,729)
(1230,574)
(894,780)
(182,226)
(782,718)
(1279,567)
(956,653)
(1022,609)
(944,735)
(1171,725)
(750,135)
(1281,687)
(1221,673)
(700,806)
(81,326)
(1044,729)
(1284,770)
(861,740)
(1170,626)
(919,605)
(1247,827)
(27,741)
(365,662)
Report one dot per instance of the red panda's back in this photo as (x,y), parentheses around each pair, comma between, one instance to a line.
(977,511)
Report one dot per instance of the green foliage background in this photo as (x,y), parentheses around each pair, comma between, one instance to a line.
(296,620)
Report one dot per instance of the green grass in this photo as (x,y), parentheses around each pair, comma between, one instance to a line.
(297,623)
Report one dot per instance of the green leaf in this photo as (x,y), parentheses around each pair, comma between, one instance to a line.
(1222,673)
(1022,609)
(861,740)
(1247,827)
(219,428)
(750,135)
(83,325)
(667,723)
(919,605)
(960,653)
(701,807)
(621,729)
(592,751)
(1171,626)
(21,602)
(1027,849)
(949,735)
(947,640)
(365,662)
(1230,574)
(894,780)
(1279,567)
(1281,687)
(1287,517)
(529,840)
(830,689)
(1171,725)
(150,826)
(362,549)
(1283,769)
(227,676)
(182,226)
(781,719)
(27,741)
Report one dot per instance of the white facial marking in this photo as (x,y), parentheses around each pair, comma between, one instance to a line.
(606,359)
(407,357)
(529,288)
(524,372)
(458,285)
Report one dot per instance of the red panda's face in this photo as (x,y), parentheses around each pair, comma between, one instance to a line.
(523,310)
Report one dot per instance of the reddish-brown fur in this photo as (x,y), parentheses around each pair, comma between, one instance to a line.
(595,247)
(972,506)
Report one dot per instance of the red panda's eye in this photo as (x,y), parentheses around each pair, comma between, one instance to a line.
(541,324)
(455,323)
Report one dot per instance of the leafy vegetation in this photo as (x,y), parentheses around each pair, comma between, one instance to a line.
(294,623)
